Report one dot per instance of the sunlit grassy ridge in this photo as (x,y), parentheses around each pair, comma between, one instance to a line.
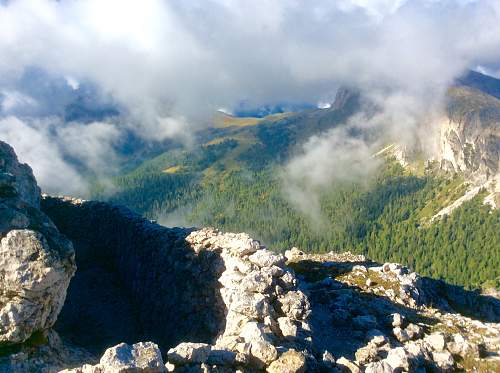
(172,169)
(223,120)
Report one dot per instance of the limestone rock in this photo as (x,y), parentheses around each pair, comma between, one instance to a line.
(293,253)
(256,281)
(274,271)
(294,304)
(379,367)
(233,263)
(398,358)
(418,351)
(468,140)
(397,320)
(85,368)
(188,352)
(436,341)
(140,357)
(414,331)
(253,305)
(328,359)
(36,261)
(226,358)
(34,280)
(443,360)
(288,281)
(264,352)
(235,322)
(291,361)
(376,337)
(266,258)
(259,294)
(460,346)
(400,334)
(287,327)
(347,366)
(253,331)
(231,279)
(366,354)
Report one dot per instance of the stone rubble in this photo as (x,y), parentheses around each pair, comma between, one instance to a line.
(391,319)
(271,318)
(265,311)
(140,357)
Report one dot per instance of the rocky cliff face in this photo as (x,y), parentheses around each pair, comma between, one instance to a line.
(470,143)
(17,179)
(36,261)
(470,140)
(146,298)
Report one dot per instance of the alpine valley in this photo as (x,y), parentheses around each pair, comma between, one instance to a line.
(234,186)
(435,211)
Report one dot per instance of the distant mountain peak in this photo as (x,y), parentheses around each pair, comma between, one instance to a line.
(481,82)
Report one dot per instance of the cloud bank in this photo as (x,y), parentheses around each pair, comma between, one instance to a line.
(169,65)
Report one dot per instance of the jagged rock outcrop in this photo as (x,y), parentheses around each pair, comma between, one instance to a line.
(467,141)
(16,178)
(470,141)
(393,319)
(36,261)
(264,310)
(333,312)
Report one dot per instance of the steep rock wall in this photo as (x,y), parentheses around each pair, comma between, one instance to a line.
(470,139)
(136,280)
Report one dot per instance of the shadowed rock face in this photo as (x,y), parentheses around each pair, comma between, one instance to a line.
(135,280)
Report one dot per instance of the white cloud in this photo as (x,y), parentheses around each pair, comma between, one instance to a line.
(35,147)
(11,100)
(73,83)
(46,145)
(183,58)
(172,64)
(324,105)
(92,144)
(333,156)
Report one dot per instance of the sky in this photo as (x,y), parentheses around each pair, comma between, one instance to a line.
(168,65)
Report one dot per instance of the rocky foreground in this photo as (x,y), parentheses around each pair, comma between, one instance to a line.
(145,298)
